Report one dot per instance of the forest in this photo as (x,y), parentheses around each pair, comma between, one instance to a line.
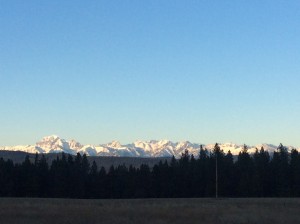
(249,175)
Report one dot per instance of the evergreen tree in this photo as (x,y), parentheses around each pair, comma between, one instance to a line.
(294,171)
(280,172)
(42,176)
(201,178)
(131,181)
(102,183)
(261,177)
(143,182)
(216,168)
(183,181)
(228,181)
(92,182)
(29,178)
(245,173)
(110,182)
(121,182)
(7,172)
(250,176)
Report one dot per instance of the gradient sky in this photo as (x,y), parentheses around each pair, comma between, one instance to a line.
(205,71)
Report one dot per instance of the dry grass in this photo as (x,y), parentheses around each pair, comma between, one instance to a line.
(144,211)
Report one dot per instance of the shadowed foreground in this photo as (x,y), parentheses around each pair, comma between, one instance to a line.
(44,211)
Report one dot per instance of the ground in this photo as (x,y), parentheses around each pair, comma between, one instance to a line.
(144,211)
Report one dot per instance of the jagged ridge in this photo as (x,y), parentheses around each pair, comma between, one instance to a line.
(154,148)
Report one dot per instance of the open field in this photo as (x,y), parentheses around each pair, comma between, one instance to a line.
(46,211)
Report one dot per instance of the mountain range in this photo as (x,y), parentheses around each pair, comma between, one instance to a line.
(153,148)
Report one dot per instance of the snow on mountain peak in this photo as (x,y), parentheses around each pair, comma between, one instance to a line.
(114,144)
(153,148)
(50,138)
(53,142)
(73,144)
(165,142)
(184,144)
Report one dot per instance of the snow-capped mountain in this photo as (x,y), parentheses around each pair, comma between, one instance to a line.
(153,148)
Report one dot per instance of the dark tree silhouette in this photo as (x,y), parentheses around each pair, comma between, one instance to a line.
(257,175)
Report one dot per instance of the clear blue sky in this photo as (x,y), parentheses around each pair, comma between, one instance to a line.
(205,71)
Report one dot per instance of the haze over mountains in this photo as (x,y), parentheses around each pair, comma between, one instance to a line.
(153,148)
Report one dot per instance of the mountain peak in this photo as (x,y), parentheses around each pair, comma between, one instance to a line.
(74,144)
(152,148)
(114,144)
(53,142)
(50,137)
(164,142)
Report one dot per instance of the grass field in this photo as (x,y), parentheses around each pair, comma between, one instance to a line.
(143,211)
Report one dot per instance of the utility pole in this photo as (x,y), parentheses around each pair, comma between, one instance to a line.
(216,174)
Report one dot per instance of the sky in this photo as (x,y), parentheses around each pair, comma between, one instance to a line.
(96,71)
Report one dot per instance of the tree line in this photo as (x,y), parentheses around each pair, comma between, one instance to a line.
(256,175)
